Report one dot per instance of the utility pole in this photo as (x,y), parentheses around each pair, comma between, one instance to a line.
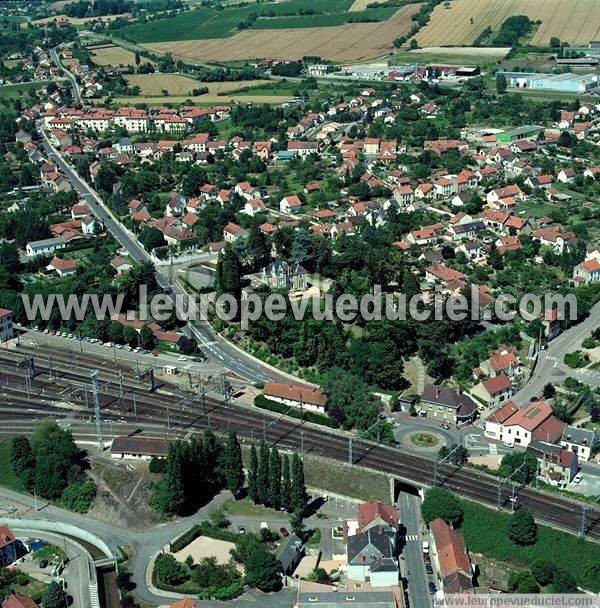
(350,455)
(302,443)
(203,393)
(134,406)
(50,367)
(96,396)
(168,419)
(437,463)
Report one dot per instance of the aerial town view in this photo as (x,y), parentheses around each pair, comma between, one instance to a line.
(299,303)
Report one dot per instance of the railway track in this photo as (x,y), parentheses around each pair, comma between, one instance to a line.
(171,412)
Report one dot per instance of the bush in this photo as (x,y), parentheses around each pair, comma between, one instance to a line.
(169,571)
(273,406)
(543,571)
(79,497)
(157,465)
(522,528)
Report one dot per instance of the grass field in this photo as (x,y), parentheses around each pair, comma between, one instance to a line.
(113,55)
(351,42)
(574,22)
(465,55)
(19,90)
(206,22)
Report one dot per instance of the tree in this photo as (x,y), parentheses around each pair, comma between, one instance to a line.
(299,497)
(253,475)
(522,581)
(501,84)
(563,582)
(22,460)
(543,571)
(233,465)
(522,528)
(549,391)
(229,273)
(296,522)
(146,338)
(263,473)
(170,496)
(54,596)
(554,42)
(274,479)
(263,570)
(79,496)
(286,488)
(137,59)
(524,462)
(441,503)
(151,238)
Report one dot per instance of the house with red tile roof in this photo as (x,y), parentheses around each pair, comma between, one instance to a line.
(494,422)
(296,395)
(373,514)
(493,391)
(556,465)
(450,556)
(15,600)
(535,421)
(62,267)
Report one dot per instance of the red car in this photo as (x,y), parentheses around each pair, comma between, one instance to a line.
(154,353)
(284,532)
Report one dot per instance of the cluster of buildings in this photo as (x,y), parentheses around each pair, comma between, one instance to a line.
(569,83)
(557,446)
(406,73)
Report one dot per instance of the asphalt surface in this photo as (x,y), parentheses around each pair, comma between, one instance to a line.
(550,366)
(212,344)
(409,508)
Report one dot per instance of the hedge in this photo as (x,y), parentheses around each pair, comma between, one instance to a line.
(484,531)
(274,406)
(202,529)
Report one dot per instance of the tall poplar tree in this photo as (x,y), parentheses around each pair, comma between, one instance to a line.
(233,465)
(299,498)
(274,479)
(286,484)
(253,475)
(263,473)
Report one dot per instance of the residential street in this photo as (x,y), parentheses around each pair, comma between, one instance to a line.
(409,507)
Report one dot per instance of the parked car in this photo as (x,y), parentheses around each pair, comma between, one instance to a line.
(578,478)
(284,532)
(43,563)
(425,547)
(428,568)
(241,529)
(445,425)
(432,588)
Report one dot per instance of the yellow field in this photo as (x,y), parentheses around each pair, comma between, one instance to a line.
(180,87)
(350,42)
(574,22)
(113,55)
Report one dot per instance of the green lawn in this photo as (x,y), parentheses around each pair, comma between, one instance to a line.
(7,477)
(208,22)
(484,532)
(19,90)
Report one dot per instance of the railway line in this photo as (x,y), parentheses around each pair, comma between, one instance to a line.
(171,412)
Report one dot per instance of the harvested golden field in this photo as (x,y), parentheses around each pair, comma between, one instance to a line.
(350,42)
(113,55)
(180,87)
(574,22)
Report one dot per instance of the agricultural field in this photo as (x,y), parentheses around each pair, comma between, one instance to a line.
(361,5)
(113,55)
(350,42)
(463,55)
(179,88)
(463,20)
(207,23)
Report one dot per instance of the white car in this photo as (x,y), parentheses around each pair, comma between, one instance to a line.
(577,478)
(108,344)
(182,358)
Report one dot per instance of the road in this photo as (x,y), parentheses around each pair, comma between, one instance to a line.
(409,507)
(211,343)
(550,366)
(76,93)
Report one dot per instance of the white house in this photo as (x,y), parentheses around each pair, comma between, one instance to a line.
(6,325)
(296,395)
(44,247)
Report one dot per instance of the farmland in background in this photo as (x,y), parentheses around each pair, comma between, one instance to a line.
(351,42)
(461,23)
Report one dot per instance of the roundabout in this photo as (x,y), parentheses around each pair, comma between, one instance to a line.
(423,439)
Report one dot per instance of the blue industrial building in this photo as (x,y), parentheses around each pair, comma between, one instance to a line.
(569,83)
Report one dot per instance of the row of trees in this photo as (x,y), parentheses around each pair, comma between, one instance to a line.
(196,470)
(275,482)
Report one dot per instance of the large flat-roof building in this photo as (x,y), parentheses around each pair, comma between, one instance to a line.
(570,83)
